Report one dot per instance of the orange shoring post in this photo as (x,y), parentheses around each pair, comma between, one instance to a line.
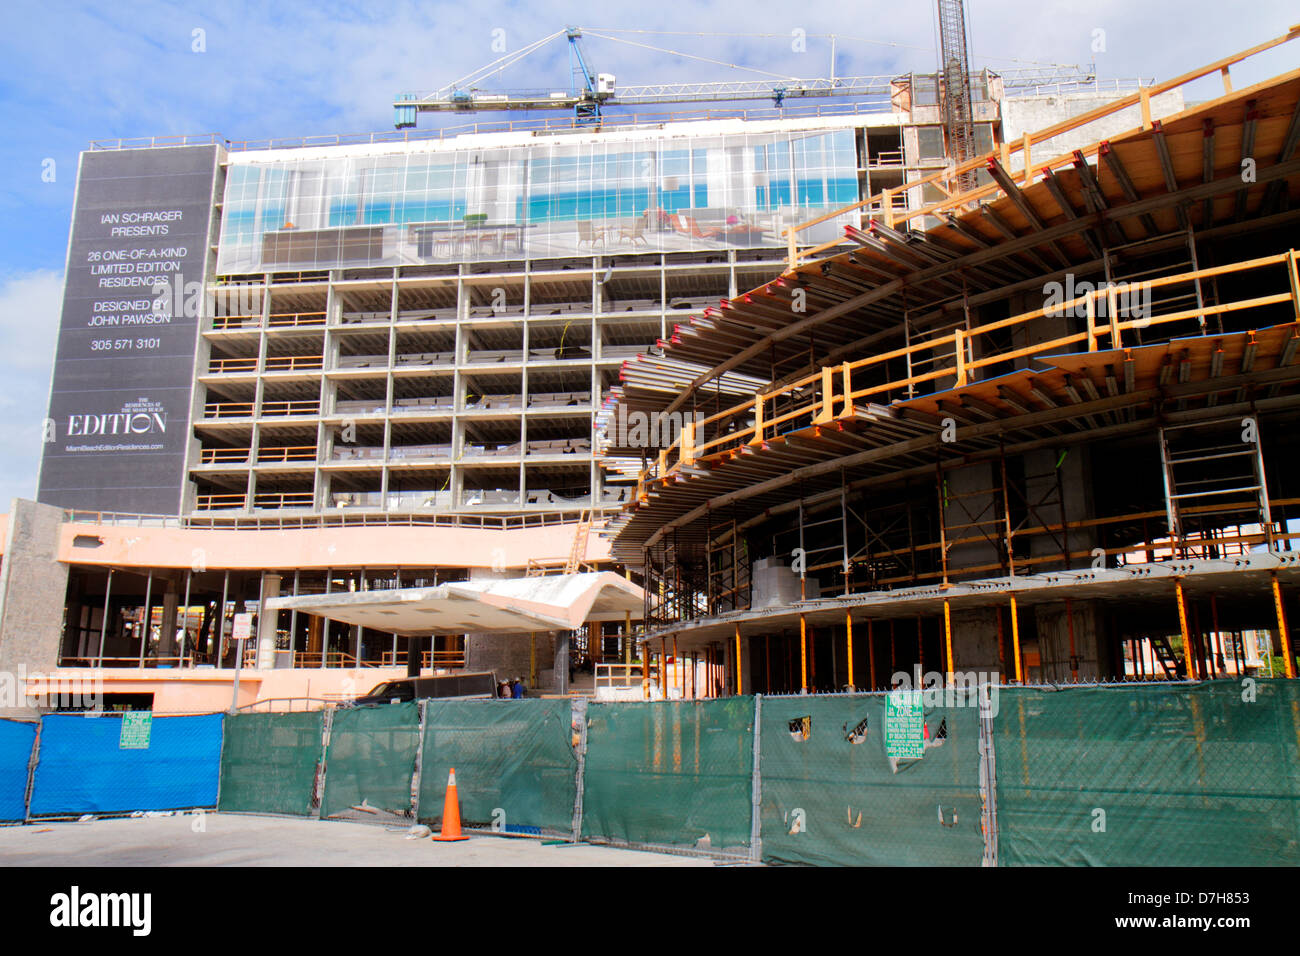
(947,633)
(1280,608)
(1015,641)
(740,683)
(1189,652)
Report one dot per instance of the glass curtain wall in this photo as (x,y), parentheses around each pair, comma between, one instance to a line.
(549,200)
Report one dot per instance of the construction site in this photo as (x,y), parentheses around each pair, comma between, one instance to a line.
(947,413)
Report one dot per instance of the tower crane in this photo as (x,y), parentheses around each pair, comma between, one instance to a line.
(590,94)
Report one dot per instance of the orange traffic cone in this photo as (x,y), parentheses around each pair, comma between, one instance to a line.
(450,830)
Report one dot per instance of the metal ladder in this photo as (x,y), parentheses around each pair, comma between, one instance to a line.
(1166,656)
(1214,479)
(1130,266)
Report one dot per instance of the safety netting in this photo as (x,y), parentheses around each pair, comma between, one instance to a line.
(371,760)
(269,762)
(514,759)
(676,773)
(1193,775)
(16,739)
(118,763)
(832,793)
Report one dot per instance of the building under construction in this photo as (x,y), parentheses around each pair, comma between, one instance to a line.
(389,370)
(1036,423)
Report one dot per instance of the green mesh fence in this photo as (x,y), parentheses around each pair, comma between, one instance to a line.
(1191,775)
(672,772)
(515,763)
(268,762)
(830,801)
(371,759)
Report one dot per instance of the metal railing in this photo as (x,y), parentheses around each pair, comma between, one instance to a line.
(332,519)
(228,322)
(294,363)
(267,702)
(823,396)
(278,320)
(875,106)
(220,502)
(616,681)
(428,659)
(126,662)
(285,409)
(946,179)
(283,499)
(274,363)
(286,453)
(228,410)
(265,455)
(228,365)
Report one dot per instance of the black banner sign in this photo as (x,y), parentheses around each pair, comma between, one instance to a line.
(119,417)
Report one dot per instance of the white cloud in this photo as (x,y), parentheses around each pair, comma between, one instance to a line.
(29,326)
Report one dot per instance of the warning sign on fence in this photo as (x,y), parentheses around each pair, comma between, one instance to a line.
(136,728)
(904,725)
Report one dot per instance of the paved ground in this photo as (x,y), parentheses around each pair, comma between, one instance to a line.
(234,840)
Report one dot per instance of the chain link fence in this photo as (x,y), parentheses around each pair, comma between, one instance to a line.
(371,760)
(1191,774)
(16,741)
(271,763)
(832,794)
(673,773)
(121,763)
(1180,775)
(516,764)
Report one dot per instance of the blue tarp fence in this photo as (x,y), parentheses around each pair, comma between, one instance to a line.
(93,764)
(16,739)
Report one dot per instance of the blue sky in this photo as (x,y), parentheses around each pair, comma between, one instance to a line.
(74,72)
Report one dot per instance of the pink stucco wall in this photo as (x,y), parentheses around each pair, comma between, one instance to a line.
(378,546)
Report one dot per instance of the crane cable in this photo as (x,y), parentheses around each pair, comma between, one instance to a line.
(509,59)
(690,56)
(829,36)
(502,62)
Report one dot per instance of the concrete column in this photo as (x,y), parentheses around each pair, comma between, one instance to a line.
(266,622)
(414,645)
(315,627)
(975,640)
(167,634)
(747,668)
(33,588)
(561,678)
(1090,650)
